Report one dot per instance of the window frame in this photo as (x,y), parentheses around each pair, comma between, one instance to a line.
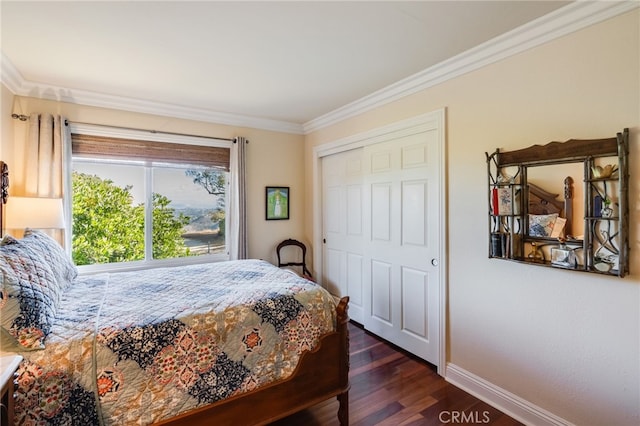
(148,262)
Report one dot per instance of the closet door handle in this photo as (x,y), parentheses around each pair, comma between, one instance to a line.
(434,262)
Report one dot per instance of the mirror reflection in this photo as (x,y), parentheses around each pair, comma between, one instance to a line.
(552,214)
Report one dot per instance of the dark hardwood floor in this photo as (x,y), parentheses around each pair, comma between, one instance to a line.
(391,387)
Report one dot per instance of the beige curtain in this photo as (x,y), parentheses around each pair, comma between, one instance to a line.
(237,210)
(40,172)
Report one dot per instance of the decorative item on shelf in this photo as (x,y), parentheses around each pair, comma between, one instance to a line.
(563,255)
(495,206)
(613,259)
(597,206)
(606,211)
(607,171)
(602,261)
(536,255)
(505,201)
(497,244)
(558,228)
(609,208)
(515,244)
(602,264)
(503,177)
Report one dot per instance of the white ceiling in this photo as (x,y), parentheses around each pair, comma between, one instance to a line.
(290,62)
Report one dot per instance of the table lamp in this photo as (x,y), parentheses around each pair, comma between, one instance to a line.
(34,213)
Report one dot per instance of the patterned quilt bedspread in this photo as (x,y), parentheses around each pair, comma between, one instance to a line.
(138,347)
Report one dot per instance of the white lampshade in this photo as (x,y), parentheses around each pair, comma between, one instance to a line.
(33,212)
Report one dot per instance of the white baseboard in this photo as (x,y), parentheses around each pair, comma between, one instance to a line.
(505,401)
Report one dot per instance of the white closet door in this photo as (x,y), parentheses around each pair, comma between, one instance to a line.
(402,223)
(382,231)
(343,228)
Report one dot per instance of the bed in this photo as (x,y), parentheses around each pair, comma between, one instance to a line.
(237,342)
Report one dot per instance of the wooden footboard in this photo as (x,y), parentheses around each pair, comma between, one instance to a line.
(321,374)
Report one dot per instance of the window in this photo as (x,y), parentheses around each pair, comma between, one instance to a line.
(142,202)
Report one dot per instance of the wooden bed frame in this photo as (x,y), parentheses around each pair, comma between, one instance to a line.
(321,374)
(4,191)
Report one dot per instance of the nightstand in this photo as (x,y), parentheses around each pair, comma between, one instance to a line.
(8,366)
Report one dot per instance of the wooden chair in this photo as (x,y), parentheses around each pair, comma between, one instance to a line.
(290,242)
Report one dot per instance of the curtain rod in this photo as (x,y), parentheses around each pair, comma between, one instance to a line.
(23,117)
(67,122)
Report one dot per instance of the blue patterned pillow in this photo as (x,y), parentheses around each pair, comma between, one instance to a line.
(29,295)
(61,265)
(541,225)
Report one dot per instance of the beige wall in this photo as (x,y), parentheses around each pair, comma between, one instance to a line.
(273,158)
(567,342)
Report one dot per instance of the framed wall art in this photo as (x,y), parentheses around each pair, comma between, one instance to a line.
(277,202)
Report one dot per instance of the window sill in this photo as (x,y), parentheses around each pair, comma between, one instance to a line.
(145,264)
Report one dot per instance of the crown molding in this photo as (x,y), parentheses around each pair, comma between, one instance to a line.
(9,75)
(14,81)
(568,19)
(571,18)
